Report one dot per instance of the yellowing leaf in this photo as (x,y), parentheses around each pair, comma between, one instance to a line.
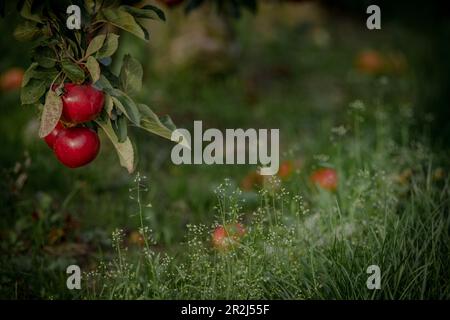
(94,68)
(109,46)
(123,20)
(124,149)
(95,44)
(51,113)
(163,126)
(109,105)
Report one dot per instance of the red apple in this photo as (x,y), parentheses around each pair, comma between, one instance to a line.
(227,236)
(325,178)
(51,137)
(251,181)
(81,103)
(11,79)
(370,62)
(288,167)
(76,147)
(285,170)
(136,238)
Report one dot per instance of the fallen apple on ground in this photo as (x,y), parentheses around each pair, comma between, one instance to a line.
(252,181)
(288,167)
(285,170)
(370,62)
(326,178)
(225,237)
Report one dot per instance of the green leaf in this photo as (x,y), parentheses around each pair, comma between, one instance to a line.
(124,149)
(167,122)
(160,126)
(95,44)
(27,13)
(28,74)
(146,12)
(110,76)
(32,91)
(51,113)
(109,105)
(146,33)
(109,46)
(104,84)
(125,104)
(120,126)
(90,6)
(73,71)
(157,10)
(94,68)
(47,75)
(73,48)
(130,77)
(44,56)
(26,31)
(123,20)
(78,40)
(152,123)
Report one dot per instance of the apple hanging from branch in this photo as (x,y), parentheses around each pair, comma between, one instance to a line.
(72,84)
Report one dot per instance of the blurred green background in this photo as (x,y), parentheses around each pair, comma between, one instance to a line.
(293,65)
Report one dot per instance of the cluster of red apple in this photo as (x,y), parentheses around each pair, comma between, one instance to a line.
(73,144)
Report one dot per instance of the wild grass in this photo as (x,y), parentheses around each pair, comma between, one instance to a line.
(390,210)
